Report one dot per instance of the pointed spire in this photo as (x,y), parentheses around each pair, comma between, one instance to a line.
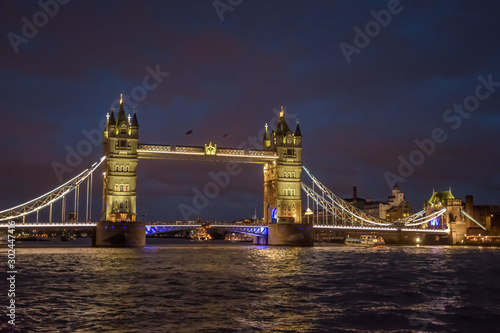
(282,128)
(266,135)
(111,119)
(121,117)
(134,119)
(297,130)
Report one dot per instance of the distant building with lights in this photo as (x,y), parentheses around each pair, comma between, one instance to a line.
(488,216)
(396,207)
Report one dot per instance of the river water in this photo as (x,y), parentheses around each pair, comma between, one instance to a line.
(223,287)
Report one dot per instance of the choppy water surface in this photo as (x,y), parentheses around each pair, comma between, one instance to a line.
(242,288)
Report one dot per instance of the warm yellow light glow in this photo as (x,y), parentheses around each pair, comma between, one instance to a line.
(281,113)
(121,99)
(210,149)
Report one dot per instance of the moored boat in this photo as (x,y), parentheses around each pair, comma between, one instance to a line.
(365,240)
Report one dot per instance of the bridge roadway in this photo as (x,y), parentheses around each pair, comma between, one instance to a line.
(256,230)
(172,152)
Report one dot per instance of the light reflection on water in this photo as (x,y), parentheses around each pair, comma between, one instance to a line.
(242,288)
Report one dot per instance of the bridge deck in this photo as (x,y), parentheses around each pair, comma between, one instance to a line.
(227,226)
(172,152)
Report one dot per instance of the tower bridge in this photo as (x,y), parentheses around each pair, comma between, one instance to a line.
(281,158)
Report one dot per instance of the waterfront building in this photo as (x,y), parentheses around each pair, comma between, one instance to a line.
(400,211)
(484,214)
(394,208)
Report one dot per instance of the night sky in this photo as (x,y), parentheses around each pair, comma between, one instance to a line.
(357,113)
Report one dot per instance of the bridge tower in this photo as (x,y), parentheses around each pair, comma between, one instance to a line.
(121,138)
(118,226)
(282,187)
(453,216)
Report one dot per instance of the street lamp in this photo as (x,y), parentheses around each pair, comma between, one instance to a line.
(308,212)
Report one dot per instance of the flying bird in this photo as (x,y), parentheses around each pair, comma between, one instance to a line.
(225,135)
(189,132)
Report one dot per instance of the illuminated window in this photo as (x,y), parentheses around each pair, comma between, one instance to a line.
(126,188)
(121,188)
(116,188)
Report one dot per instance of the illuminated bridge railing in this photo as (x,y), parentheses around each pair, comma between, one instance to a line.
(380,229)
(157,229)
(52,225)
(244,229)
(200,153)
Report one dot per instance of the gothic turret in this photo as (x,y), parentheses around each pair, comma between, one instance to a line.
(298,135)
(134,125)
(121,120)
(282,129)
(266,142)
(297,130)
(111,121)
(134,120)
